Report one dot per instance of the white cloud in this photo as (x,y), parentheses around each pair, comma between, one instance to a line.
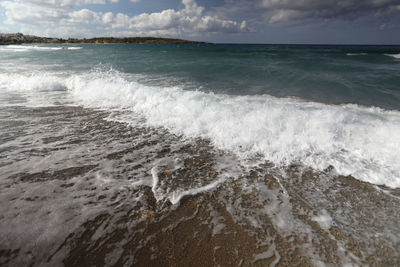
(62,3)
(42,15)
(212,24)
(166,19)
(27,13)
(120,21)
(114,1)
(85,16)
(135,1)
(107,17)
(190,19)
(4,29)
(43,12)
(60,31)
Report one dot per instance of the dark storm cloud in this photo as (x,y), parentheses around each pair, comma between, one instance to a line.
(287,10)
(292,10)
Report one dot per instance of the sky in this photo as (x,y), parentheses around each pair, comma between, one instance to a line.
(220,21)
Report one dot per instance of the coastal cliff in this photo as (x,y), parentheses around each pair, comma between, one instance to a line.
(19,38)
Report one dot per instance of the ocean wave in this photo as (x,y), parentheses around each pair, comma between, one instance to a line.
(356,54)
(397,56)
(356,140)
(36,82)
(25,48)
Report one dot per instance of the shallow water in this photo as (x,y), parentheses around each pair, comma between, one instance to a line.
(81,190)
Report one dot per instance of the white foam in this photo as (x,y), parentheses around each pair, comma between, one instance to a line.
(323,219)
(25,48)
(14,48)
(356,54)
(154,184)
(358,141)
(397,56)
(268,254)
(177,196)
(32,82)
(265,255)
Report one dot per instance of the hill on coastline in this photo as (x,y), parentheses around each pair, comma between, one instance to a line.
(19,38)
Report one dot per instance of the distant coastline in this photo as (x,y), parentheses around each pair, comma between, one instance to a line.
(19,38)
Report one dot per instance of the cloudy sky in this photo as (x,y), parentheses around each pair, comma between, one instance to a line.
(239,21)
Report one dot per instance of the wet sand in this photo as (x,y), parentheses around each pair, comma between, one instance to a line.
(80,190)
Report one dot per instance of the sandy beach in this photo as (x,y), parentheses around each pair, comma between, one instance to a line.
(67,211)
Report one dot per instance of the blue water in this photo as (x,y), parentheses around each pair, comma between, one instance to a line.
(365,75)
(315,105)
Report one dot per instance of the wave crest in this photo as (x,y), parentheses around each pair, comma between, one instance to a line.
(397,56)
(357,141)
(26,48)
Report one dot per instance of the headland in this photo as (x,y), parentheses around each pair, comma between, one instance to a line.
(19,38)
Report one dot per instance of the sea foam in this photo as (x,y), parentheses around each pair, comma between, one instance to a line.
(359,141)
(397,56)
(26,48)
(356,54)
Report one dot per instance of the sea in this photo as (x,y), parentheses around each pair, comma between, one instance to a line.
(199,154)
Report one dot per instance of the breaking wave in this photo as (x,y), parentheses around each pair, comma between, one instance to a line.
(356,54)
(26,48)
(356,140)
(397,56)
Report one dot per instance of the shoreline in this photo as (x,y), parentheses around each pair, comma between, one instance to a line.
(110,210)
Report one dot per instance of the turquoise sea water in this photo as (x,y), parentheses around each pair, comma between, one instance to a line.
(365,75)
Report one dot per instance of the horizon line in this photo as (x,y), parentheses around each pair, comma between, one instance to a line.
(210,42)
